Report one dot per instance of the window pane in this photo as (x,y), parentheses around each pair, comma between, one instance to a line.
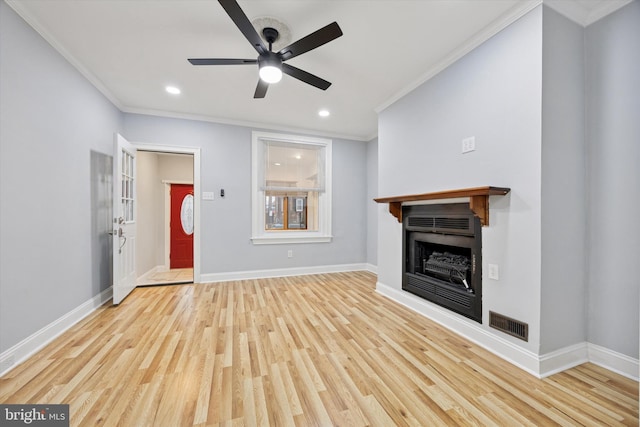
(297,213)
(274,212)
(130,210)
(293,166)
(289,211)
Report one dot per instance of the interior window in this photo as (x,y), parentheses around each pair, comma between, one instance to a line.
(291,186)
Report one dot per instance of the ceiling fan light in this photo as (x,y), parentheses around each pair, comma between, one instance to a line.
(173,90)
(270,74)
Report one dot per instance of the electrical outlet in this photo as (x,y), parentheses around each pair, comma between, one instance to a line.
(290,254)
(468,144)
(494,272)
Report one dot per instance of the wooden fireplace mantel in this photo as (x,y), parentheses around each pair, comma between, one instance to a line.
(478,200)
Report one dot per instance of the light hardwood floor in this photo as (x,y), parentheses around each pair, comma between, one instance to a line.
(175,275)
(310,350)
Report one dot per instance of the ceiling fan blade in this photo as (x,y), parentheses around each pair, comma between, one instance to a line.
(261,89)
(221,61)
(305,77)
(244,25)
(312,41)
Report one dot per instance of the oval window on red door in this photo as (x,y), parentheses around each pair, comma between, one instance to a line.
(186,214)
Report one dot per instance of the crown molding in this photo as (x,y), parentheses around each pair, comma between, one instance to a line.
(585,16)
(243,123)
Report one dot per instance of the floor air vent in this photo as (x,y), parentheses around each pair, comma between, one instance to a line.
(509,326)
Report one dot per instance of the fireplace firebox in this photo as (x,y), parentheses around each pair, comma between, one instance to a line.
(442,252)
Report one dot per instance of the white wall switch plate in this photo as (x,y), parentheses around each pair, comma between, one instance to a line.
(208,195)
(494,272)
(290,253)
(468,144)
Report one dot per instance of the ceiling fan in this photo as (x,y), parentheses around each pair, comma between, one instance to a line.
(271,64)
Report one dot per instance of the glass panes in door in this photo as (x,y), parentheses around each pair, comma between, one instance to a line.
(126,198)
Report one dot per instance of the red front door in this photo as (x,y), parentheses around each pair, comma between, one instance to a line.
(181,251)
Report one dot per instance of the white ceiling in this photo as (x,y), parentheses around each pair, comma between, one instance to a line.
(130,50)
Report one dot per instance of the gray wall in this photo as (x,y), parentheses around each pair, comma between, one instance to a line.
(613,136)
(494,94)
(564,214)
(372,207)
(226,222)
(55,131)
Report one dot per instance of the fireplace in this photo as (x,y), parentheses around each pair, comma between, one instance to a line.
(442,252)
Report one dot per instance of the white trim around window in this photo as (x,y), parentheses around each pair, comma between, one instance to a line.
(260,236)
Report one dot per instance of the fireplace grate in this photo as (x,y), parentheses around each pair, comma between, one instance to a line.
(447,266)
(509,326)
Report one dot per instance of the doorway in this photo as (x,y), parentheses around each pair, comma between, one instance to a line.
(157,172)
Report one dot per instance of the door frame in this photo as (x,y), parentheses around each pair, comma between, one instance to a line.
(195,151)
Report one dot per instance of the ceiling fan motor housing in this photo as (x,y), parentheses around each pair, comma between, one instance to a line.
(269,59)
(270,35)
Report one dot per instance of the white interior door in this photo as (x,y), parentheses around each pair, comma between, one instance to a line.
(124,222)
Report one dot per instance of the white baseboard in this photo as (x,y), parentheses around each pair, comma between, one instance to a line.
(614,361)
(562,359)
(569,357)
(20,352)
(371,268)
(540,366)
(282,272)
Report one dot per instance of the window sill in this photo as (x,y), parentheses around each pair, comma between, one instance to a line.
(289,239)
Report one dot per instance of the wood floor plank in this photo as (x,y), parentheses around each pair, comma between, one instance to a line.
(320,350)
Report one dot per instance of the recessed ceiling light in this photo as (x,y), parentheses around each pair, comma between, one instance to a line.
(323,113)
(298,156)
(276,164)
(172,90)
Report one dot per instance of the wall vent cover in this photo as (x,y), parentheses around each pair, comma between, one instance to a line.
(450,224)
(509,326)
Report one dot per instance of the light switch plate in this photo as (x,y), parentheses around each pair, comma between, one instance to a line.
(208,195)
(468,144)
